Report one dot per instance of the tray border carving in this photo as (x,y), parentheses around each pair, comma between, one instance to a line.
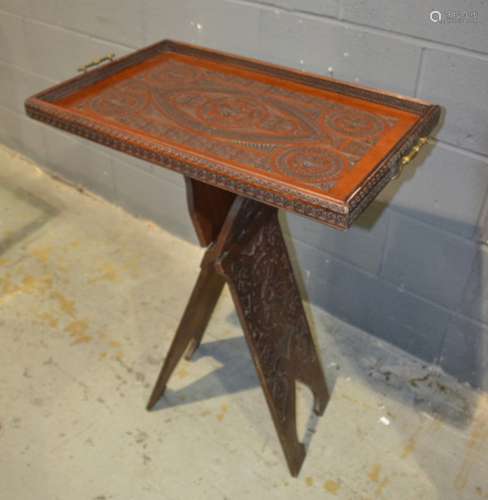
(217,173)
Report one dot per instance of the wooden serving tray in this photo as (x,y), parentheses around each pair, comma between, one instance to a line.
(297,141)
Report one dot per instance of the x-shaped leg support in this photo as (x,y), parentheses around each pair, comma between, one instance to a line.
(247,251)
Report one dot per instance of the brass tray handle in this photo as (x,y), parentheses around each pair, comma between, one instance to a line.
(96,62)
(405,160)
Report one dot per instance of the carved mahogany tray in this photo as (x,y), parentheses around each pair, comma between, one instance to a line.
(312,145)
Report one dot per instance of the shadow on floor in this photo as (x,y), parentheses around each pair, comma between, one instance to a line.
(236,375)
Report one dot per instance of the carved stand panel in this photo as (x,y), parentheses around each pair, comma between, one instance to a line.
(250,255)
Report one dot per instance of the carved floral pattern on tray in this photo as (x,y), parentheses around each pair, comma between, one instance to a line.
(252,123)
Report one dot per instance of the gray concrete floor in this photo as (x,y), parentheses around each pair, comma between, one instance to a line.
(89,300)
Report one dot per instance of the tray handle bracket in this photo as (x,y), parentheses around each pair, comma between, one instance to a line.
(405,160)
(109,57)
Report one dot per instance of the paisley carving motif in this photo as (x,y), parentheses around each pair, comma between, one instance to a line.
(147,135)
(354,123)
(235,112)
(311,164)
(116,101)
(180,73)
(233,115)
(248,122)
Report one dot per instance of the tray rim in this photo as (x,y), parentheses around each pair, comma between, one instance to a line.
(42,106)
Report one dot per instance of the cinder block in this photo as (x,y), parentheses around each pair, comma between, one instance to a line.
(361,245)
(218,24)
(46,11)
(12,42)
(119,21)
(458,83)
(169,176)
(465,352)
(281,37)
(408,321)
(481,234)
(226,26)
(16,85)
(381,309)
(70,50)
(80,162)
(153,198)
(116,20)
(7,86)
(17,7)
(169,19)
(443,187)
(426,261)
(332,284)
(149,168)
(354,54)
(321,7)
(475,300)
(31,138)
(413,18)
(22,134)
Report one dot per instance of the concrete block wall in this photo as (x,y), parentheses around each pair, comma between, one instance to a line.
(412,270)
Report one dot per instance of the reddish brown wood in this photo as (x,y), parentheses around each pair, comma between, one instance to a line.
(249,137)
(308,144)
(253,258)
(192,326)
(250,255)
(208,207)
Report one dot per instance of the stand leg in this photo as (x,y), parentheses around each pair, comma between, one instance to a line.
(247,250)
(208,296)
(192,326)
(267,298)
(208,207)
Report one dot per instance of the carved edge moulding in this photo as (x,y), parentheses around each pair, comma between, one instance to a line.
(318,206)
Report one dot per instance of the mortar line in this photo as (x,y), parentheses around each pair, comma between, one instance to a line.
(410,39)
(384,246)
(383,279)
(67,29)
(459,149)
(420,72)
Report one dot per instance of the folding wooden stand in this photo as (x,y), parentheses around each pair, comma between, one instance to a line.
(250,138)
(246,250)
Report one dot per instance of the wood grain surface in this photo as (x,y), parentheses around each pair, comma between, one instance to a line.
(312,145)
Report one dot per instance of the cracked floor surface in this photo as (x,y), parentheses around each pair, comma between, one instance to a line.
(89,300)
